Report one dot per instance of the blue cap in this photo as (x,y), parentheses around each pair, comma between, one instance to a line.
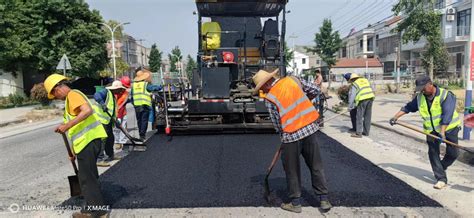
(347,76)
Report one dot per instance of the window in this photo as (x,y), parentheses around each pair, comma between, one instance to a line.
(318,62)
(464,22)
(303,61)
(439,4)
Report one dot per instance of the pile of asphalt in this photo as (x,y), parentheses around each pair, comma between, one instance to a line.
(228,171)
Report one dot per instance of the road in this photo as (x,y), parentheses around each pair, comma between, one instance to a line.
(223,174)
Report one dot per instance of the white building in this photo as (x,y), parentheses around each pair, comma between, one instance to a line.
(303,60)
(10,84)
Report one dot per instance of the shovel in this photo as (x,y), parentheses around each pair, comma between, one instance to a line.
(73,180)
(125,132)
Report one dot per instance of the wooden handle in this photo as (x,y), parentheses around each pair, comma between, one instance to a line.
(66,143)
(275,159)
(433,136)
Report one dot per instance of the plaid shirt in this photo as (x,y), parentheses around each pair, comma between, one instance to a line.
(311,91)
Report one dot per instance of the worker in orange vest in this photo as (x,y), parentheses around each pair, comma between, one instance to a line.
(294,118)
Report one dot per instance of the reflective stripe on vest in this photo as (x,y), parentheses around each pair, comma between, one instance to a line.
(432,116)
(294,108)
(102,116)
(140,95)
(85,131)
(364,91)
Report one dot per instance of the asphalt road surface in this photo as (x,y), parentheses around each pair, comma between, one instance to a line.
(228,171)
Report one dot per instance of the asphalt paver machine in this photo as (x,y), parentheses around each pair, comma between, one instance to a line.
(236,39)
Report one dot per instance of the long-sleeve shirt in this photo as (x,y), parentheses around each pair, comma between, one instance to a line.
(448,106)
(352,97)
(101,96)
(311,91)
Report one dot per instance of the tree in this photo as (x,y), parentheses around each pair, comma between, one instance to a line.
(121,67)
(190,66)
(421,20)
(327,43)
(289,55)
(175,57)
(35,34)
(155,58)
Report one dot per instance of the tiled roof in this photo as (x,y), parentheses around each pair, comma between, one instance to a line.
(357,63)
(393,20)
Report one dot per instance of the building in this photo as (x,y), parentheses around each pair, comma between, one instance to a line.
(303,60)
(367,67)
(10,84)
(134,53)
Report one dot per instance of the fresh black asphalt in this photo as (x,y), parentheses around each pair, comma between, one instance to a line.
(228,171)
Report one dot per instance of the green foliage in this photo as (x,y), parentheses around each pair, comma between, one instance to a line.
(174,57)
(39,94)
(289,55)
(121,67)
(118,33)
(327,43)
(421,20)
(35,34)
(16,99)
(343,93)
(191,65)
(155,59)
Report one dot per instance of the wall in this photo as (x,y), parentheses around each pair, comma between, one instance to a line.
(9,84)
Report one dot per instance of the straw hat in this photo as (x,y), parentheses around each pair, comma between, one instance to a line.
(261,77)
(354,76)
(116,85)
(142,75)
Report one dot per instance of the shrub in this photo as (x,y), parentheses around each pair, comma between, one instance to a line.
(38,93)
(343,93)
(16,99)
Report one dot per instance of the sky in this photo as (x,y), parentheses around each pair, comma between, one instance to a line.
(170,23)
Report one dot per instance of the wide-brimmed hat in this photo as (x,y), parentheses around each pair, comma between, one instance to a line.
(142,75)
(116,85)
(261,77)
(354,76)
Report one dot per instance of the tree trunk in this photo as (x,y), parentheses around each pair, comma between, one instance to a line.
(329,78)
(431,68)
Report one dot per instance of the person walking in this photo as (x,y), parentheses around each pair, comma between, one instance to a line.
(352,112)
(437,107)
(294,118)
(108,113)
(86,134)
(141,99)
(361,97)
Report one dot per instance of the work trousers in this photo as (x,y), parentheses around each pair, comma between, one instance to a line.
(353,113)
(439,166)
(108,143)
(364,116)
(89,177)
(142,113)
(119,136)
(290,155)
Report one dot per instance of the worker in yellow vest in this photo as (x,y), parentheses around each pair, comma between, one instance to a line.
(437,107)
(361,98)
(141,99)
(294,118)
(86,134)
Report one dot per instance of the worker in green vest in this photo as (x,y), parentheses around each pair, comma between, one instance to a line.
(86,134)
(361,98)
(141,99)
(437,107)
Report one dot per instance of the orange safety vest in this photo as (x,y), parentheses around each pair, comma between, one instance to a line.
(295,109)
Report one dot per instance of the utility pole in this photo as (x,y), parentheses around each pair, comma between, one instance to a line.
(293,63)
(469,75)
(141,50)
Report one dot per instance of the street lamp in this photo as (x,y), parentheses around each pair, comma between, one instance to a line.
(112,30)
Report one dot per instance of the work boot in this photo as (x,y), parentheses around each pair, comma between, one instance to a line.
(355,135)
(439,185)
(325,205)
(103,164)
(290,207)
(352,131)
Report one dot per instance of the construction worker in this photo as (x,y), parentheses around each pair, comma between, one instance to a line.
(107,115)
(361,97)
(294,118)
(353,112)
(86,134)
(141,99)
(318,100)
(437,108)
(122,99)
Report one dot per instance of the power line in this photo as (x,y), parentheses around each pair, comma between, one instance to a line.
(370,6)
(365,18)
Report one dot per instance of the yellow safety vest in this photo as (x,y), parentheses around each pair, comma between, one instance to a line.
(140,95)
(85,131)
(364,91)
(102,116)
(432,116)
(295,109)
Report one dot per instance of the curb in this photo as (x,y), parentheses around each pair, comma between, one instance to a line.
(12,122)
(29,128)
(464,156)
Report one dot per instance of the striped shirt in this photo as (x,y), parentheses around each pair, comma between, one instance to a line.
(311,91)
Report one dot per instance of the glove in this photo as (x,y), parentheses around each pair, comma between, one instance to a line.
(393,121)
